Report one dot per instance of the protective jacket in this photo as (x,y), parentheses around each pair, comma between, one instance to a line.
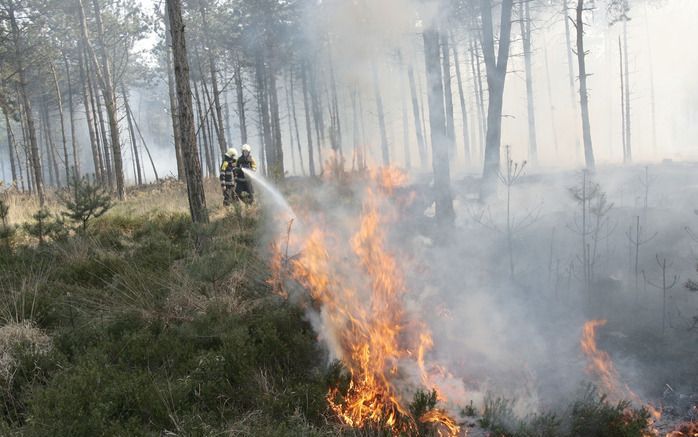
(247,162)
(227,169)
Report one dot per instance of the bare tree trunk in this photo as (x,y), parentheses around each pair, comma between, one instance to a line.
(11,147)
(463,108)
(240,101)
(190,155)
(622,103)
(405,123)
(448,92)
(477,88)
(107,85)
(317,114)
(173,102)
(145,145)
(220,131)
(421,146)
(553,125)
(134,144)
(289,117)
(263,100)
(496,75)
(308,127)
(59,100)
(583,94)
(276,168)
(203,130)
(71,107)
(54,172)
(627,93)
(106,155)
(437,122)
(26,103)
(525,21)
(570,68)
(295,122)
(94,139)
(385,151)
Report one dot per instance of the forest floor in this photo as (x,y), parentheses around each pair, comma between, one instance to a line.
(148,325)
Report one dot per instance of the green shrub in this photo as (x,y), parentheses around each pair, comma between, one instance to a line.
(594,416)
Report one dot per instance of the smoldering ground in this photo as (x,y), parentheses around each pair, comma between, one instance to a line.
(517,335)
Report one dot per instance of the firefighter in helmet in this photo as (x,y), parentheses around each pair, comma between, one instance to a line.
(243,185)
(227,176)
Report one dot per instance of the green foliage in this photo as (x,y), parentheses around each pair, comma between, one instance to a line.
(46,226)
(594,416)
(84,201)
(498,416)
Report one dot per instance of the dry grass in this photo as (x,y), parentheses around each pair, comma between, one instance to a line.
(168,196)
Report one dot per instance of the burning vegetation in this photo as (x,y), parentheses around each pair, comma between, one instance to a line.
(358,291)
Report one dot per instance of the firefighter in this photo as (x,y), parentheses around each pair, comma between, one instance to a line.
(227,176)
(243,185)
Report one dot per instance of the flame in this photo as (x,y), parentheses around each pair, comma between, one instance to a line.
(601,366)
(600,363)
(688,429)
(358,290)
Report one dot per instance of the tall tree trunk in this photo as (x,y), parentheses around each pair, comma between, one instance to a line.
(421,146)
(479,96)
(622,103)
(33,146)
(263,100)
(94,139)
(11,147)
(59,100)
(335,121)
(132,133)
(496,75)
(553,124)
(405,118)
(173,102)
(71,107)
(203,130)
(463,109)
(448,92)
(525,21)
(308,127)
(275,170)
(313,85)
(220,131)
(385,151)
(570,69)
(295,122)
(289,117)
(105,79)
(653,112)
(437,122)
(240,101)
(145,145)
(190,155)
(583,94)
(54,172)
(628,136)
(106,155)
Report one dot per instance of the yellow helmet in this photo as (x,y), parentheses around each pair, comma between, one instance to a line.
(231,153)
(246,148)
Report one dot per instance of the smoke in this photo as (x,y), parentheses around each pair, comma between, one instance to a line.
(518,337)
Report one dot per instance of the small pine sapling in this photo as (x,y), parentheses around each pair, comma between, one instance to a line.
(46,226)
(84,201)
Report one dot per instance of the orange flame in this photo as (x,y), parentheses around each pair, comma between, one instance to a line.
(359,294)
(601,366)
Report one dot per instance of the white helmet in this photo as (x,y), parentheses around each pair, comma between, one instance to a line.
(246,148)
(231,153)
